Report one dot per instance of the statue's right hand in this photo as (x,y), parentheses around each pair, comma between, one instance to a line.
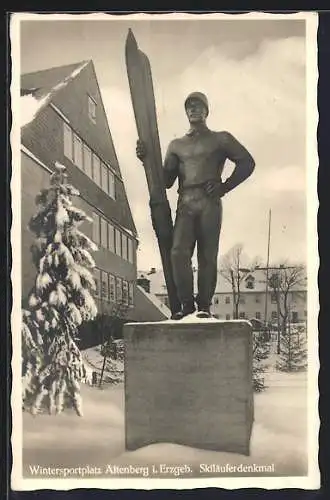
(141,151)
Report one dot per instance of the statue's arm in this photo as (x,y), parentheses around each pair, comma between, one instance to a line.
(171,166)
(238,154)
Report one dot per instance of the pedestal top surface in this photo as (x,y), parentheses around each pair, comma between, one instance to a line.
(193,319)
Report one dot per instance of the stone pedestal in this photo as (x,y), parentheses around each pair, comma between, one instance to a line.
(190,384)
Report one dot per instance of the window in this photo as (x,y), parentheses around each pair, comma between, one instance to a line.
(104,177)
(104,285)
(131,294)
(119,291)
(112,288)
(130,251)
(111,237)
(88,161)
(294,317)
(227,300)
(227,317)
(274,314)
(78,151)
(273,297)
(68,143)
(125,292)
(242,300)
(216,300)
(97,278)
(96,228)
(242,315)
(96,170)
(118,242)
(91,109)
(258,315)
(104,233)
(257,299)
(112,188)
(124,246)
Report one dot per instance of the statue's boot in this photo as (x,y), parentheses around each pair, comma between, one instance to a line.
(188,308)
(204,312)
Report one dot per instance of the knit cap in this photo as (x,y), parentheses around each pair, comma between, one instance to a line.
(198,95)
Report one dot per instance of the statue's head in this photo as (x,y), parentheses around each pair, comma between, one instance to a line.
(197,107)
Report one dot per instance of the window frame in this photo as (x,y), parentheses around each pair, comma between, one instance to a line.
(104,169)
(104,236)
(97,278)
(112,284)
(125,292)
(130,253)
(67,140)
(95,169)
(105,296)
(131,294)
(76,139)
(118,232)
(89,172)
(124,246)
(98,226)
(111,184)
(119,287)
(111,242)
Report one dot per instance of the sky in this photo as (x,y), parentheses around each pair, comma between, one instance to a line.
(253,72)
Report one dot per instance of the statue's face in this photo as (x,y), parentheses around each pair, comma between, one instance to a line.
(196,111)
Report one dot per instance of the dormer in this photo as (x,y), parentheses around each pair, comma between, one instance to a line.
(249,282)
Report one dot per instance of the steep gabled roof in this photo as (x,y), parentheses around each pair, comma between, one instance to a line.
(44,81)
(39,88)
(60,87)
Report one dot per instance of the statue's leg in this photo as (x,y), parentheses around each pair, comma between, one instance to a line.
(208,233)
(184,240)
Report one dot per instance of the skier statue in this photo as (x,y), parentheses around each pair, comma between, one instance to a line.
(197,160)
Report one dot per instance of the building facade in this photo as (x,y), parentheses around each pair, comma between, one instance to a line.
(72,128)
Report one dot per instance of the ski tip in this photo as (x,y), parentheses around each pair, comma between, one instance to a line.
(130,40)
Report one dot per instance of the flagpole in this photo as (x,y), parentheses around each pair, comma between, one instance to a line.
(267,266)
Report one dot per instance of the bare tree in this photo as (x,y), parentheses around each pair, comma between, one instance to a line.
(283,280)
(234,268)
(113,325)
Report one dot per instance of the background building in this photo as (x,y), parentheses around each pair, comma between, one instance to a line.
(70,126)
(252,303)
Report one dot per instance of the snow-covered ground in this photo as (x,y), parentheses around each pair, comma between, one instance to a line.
(97,439)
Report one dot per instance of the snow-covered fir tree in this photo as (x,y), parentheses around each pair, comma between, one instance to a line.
(261,351)
(293,355)
(60,301)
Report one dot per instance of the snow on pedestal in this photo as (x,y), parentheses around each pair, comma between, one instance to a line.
(189,382)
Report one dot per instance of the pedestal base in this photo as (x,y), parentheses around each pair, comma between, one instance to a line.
(190,384)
